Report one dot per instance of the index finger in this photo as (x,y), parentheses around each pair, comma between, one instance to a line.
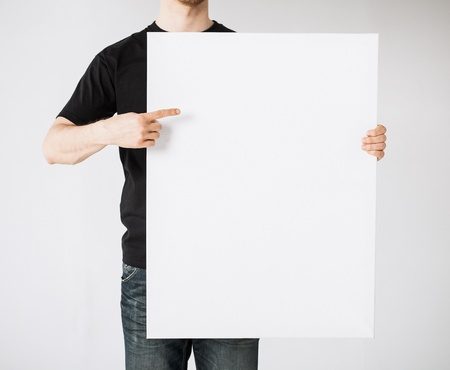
(379,130)
(161,113)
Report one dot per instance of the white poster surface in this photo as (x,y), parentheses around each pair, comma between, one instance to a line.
(260,201)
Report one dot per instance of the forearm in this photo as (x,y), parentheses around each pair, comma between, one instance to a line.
(67,143)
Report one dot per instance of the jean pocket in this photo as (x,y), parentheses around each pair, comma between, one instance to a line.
(128,272)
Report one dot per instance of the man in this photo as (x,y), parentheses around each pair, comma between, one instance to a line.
(115,82)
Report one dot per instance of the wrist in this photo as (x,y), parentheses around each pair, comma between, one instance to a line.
(101,133)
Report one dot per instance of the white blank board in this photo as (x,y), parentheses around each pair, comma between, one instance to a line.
(260,201)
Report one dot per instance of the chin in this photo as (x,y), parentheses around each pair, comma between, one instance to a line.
(191,2)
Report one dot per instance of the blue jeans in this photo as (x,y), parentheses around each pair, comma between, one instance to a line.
(173,354)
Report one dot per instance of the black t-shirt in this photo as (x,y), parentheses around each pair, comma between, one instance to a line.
(116,82)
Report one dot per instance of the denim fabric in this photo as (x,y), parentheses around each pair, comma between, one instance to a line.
(173,354)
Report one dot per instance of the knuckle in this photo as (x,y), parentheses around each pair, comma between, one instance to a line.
(141,131)
(155,126)
(140,119)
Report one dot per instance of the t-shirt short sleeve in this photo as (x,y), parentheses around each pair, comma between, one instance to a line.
(94,97)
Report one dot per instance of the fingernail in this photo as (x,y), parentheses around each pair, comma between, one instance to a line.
(177,111)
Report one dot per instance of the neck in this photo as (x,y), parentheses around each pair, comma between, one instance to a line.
(175,16)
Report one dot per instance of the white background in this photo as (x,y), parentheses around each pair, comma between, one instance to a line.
(60,229)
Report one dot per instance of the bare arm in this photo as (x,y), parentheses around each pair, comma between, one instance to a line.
(67,143)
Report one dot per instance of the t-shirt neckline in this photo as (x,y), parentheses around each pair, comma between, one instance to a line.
(155,28)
